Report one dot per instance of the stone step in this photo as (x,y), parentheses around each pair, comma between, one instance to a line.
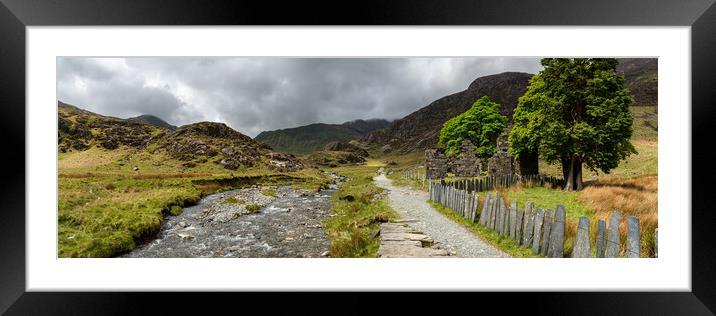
(398,240)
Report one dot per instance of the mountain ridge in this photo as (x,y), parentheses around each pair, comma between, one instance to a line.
(152,120)
(313,137)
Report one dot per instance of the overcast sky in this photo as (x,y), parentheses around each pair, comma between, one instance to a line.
(257,94)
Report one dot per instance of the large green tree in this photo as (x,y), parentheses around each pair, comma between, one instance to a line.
(481,124)
(575,112)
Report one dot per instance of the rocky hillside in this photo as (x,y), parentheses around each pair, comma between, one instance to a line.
(641,77)
(365,126)
(306,139)
(190,145)
(80,129)
(420,129)
(152,120)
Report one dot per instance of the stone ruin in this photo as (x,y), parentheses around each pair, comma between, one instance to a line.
(501,163)
(467,164)
(436,165)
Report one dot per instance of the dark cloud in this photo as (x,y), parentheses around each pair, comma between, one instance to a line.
(256,94)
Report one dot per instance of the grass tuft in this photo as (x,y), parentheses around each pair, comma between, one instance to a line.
(253,208)
(234,200)
(269,192)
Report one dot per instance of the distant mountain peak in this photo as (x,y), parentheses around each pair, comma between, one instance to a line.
(152,120)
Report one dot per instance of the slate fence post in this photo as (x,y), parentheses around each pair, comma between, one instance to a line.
(537,236)
(612,249)
(556,238)
(601,238)
(547,232)
(582,248)
(633,245)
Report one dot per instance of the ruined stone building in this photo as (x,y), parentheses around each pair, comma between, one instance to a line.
(436,166)
(467,164)
(501,163)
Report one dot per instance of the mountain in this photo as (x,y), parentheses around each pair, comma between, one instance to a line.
(152,120)
(641,77)
(420,129)
(365,126)
(309,138)
(203,143)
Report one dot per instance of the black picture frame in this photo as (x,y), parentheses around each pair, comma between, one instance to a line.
(15,15)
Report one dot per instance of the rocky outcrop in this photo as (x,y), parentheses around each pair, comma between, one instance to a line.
(345,146)
(334,158)
(79,130)
(283,162)
(200,142)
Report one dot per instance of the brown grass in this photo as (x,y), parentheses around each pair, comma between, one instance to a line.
(637,196)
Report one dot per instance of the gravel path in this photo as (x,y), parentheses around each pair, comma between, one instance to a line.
(411,204)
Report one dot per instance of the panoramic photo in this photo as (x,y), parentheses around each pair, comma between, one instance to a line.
(272,157)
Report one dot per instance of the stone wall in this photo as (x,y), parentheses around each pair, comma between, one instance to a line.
(467,164)
(501,163)
(436,165)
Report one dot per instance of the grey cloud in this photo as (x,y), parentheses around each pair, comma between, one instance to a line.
(256,94)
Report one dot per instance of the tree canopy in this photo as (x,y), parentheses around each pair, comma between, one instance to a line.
(574,112)
(481,124)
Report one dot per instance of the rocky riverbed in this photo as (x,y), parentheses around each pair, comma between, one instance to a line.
(255,222)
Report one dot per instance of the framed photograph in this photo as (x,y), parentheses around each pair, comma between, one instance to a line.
(472,146)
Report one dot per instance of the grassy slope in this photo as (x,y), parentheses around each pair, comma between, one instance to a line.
(105,207)
(353,229)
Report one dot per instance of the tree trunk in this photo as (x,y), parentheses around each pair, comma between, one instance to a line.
(565,169)
(574,174)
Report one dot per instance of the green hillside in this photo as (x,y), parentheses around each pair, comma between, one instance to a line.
(307,139)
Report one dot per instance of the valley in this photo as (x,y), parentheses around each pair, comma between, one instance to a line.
(142,187)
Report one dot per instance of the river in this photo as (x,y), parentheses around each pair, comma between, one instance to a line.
(287,225)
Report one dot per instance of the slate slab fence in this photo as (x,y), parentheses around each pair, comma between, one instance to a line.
(542,230)
(414,173)
(487,183)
